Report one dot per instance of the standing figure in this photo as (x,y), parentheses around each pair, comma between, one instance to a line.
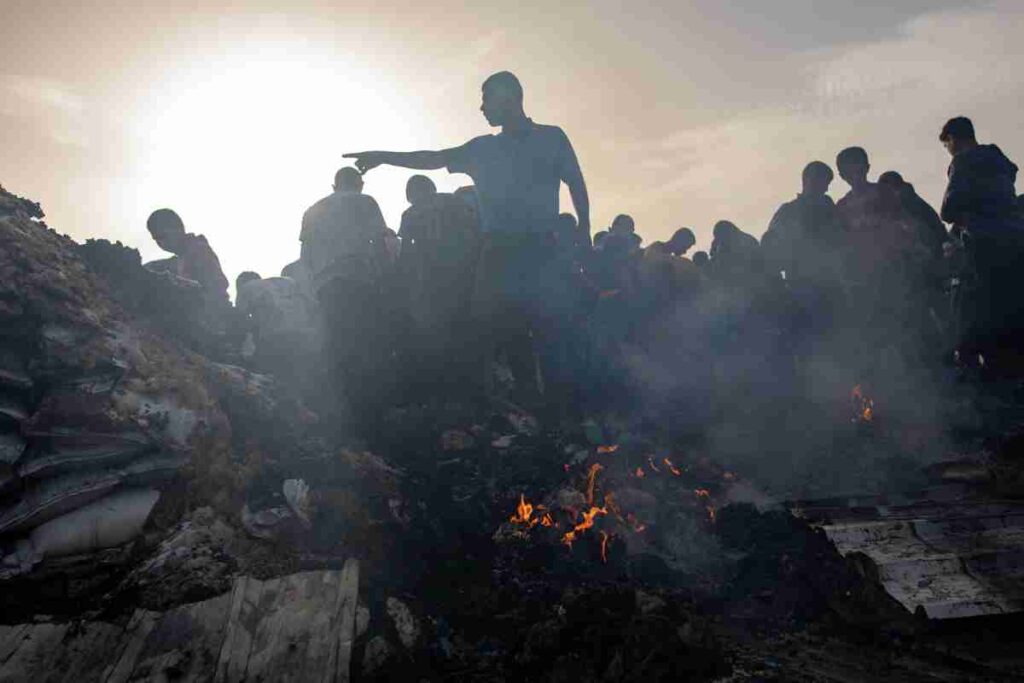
(517,175)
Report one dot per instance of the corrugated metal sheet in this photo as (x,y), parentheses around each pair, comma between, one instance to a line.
(949,556)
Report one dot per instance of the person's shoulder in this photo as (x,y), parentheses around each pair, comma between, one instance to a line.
(198,242)
(320,205)
(548,129)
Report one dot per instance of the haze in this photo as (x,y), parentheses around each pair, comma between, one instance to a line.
(236,114)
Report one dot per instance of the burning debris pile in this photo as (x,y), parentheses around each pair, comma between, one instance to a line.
(141,468)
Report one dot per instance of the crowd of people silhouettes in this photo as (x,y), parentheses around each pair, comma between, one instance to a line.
(495,272)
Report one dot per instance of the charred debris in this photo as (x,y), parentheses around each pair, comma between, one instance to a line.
(140,469)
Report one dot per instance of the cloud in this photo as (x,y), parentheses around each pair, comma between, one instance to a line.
(891,96)
(53,104)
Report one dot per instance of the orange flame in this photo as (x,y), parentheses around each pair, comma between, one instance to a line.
(588,521)
(604,547)
(524,514)
(547,521)
(863,406)
(607,449)
(672,468)
(591,476)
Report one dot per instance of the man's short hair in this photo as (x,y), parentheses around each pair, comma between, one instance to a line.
(165,218)
(507,81)
(891,178)
(348,178)
(244,277)
(957,128)
(419,186)
(724,228)
(626,221)
(683,234)
(816,170)
(852,155)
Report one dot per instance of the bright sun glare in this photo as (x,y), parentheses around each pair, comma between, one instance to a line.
(241,144)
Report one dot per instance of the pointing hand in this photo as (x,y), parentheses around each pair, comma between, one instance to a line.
(366,161)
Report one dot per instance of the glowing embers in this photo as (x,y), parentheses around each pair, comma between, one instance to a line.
(587,523)
(863,406)
(705,497)
(615,501)
(524,515)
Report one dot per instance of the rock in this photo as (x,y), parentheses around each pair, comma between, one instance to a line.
(376,655)
(405,623)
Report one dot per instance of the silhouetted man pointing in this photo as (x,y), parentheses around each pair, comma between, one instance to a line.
(517,174)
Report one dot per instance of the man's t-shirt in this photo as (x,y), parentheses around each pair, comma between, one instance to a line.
(199,263)
(343,234)
(277,306)
(517,176)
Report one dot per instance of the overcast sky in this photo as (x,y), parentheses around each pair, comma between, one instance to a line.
(236,113)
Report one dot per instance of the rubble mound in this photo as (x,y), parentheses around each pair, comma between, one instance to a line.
(112,428)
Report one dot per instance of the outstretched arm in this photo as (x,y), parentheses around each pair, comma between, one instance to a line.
(572,176)
(422,161)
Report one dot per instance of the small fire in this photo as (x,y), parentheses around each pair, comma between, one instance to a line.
(705,495)
(588,522)
(672,468)
(863,407)
(524,514)
(547,521)
(591,476)
(603,450)
(604,547)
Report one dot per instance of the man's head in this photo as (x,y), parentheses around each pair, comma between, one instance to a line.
(348,179)
(599,237)
(246,277)
(565,226)
(816,178)
(167,230)
(958,135)
(701,258)
(623,224)
(502,98)
(853,166)
(724,230)
(892,183)
(681,242)
(419,189)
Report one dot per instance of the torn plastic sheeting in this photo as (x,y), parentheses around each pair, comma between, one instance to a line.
(54,497)
(108,522)
(64,454)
